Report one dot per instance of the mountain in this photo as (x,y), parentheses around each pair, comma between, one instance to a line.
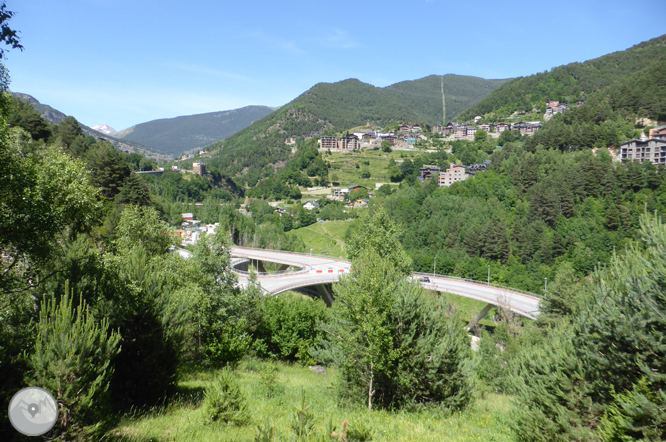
(105,129)
(571,82)
(47,112)
(335,107)
(180,134)
(54,116)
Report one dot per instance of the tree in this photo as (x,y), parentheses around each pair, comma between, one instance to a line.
(7,35)
(134,191)
(396,345)
(611,363)
(72,359)
(108,167)
(378,233)
(386,146)
(43,194)
(480,136)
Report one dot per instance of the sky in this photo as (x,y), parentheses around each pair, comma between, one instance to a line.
(125,62)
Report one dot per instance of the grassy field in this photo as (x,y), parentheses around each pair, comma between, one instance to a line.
(486,419)
(324,238)
(343,166)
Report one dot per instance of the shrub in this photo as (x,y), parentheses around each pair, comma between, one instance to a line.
(72,360)
(290,326)
(224,401)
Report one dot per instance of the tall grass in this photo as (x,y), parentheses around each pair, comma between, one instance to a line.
(184,420)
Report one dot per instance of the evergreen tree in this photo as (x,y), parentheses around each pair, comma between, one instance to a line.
(134,191)
(72,359)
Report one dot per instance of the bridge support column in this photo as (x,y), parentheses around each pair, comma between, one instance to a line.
(326,293)
(480,316)
(260,267)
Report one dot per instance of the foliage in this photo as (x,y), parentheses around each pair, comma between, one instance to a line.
(44,194)
(395,345)
(612,360)
(571,82)
(141,225)
(526,216)
(71,359)
(376,232)
(303,419)
(290,326)
(224,401)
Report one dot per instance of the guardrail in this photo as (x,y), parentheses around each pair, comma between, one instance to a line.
(456,278)
(314,255)
(474,281)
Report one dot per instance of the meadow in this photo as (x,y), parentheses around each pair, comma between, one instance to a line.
(274,404)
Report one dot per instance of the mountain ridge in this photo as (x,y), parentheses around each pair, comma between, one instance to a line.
(186,132)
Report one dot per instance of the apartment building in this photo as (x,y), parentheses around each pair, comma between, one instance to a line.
(452,175)
(652,150)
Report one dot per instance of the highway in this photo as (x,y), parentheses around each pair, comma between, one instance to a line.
(314,270)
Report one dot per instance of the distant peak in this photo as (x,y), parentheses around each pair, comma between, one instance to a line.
(105,129)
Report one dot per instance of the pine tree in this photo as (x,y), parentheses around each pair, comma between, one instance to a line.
(134,191)
(72,359)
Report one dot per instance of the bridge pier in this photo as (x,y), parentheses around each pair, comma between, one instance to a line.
(326,293)
(260,267)
(480,316)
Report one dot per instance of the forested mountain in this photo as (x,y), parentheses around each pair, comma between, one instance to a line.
(571,82)
(335,107)
(176,135)
(54,116)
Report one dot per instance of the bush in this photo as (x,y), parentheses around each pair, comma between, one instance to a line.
(290,326)
(72,360)
(224,401)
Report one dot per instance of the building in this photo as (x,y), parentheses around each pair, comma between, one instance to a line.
(486,126)
(452,175)
(477,118)
(340,193)
(390,138)
(350,142)
(187,216)
(658,133)
(328,143)
(367,137)
(428,171)
(478,167)
(199,168)
(290,141)
(310,205)
(460,132)
(404,128)
(653,150)
(501,127)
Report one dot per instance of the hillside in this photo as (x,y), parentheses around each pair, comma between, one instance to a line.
(176,135)
(335,107)
(54,116)
(571,82)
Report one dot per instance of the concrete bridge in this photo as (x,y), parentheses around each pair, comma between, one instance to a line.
(315,275)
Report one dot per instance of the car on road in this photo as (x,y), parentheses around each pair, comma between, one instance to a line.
(424,279)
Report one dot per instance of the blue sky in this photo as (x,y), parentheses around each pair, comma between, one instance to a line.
(124,62)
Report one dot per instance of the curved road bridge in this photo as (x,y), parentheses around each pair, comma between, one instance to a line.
(315,275)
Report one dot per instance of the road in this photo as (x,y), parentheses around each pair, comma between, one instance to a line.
(321,270)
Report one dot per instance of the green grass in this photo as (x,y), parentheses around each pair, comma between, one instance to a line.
(324,238)
(486,419)
(343,165)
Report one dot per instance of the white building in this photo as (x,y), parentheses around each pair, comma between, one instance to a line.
(452,175)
